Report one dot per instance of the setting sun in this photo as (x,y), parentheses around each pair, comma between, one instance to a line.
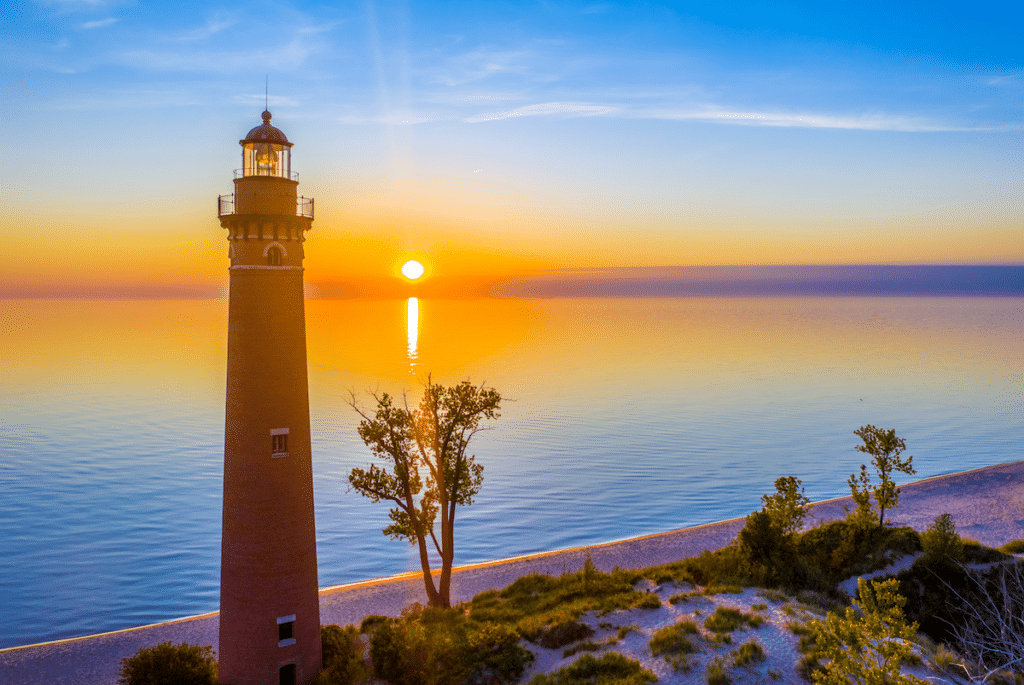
(412,269)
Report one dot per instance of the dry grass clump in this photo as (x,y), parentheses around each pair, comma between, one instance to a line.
(717,673)
(750,652)
(728,619)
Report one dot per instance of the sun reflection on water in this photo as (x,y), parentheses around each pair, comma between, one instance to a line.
(413,327)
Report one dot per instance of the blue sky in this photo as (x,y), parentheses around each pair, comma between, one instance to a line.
(661,133)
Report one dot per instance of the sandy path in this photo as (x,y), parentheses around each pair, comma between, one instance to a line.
(986,504)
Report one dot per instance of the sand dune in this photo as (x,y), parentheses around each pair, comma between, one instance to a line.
(987,505)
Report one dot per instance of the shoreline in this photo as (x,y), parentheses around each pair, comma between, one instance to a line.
(987,505)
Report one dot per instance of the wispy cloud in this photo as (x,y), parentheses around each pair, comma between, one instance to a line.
(213,26)
(863,122)
(98,24)
(482,64)
(1007,80)
(128,99)
(871,121)
(561,109)
(285,57)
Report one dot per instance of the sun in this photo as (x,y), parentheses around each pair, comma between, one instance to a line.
(412,269)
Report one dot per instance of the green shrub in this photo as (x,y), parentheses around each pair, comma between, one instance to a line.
(370,621)
(717,673)
(977,553)
(342,656)
(941,541)
(671,641)
(868,643)
(797,628)
(946,659)
(727,566)
(436,646)
(723,589)
(728,619)
(536,600)
(681,663)
(808,666)
(584,646)
(648,601)
(773,595)
(563,633)
(169,664)
(626,630)
(610,669)
(759,607)
(1015,547)
(749,653)
(678,598)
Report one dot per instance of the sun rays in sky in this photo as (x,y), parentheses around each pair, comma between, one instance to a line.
(498,139)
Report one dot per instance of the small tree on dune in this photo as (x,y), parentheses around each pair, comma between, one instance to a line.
(868,644)
(885,449)
(788,506)
(434,436)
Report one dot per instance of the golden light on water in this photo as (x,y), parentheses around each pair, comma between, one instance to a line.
(412,270)
(413,329)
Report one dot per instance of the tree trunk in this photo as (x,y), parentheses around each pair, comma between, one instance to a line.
(433,598)
(447,556)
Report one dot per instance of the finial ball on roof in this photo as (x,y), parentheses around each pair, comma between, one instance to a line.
(266,133)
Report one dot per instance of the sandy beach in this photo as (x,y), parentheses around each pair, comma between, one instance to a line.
(986,504)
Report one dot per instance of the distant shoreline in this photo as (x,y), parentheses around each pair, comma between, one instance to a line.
(986,504)
(797,280)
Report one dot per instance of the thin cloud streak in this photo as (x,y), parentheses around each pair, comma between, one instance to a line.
(720,115)
(212,28)
(866,122)
(291,55)
(561,109)
(98,24)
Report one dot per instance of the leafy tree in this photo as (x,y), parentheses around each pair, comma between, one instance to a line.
(169,664)
(941,541)
(434,437)
(768,539)
(788,506)
(867,646)
(885,449)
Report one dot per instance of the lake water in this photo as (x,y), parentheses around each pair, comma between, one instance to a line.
(623,417)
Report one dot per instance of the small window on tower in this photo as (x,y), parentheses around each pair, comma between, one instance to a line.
(279,442)
(287,674)
(286,631)
(274,256)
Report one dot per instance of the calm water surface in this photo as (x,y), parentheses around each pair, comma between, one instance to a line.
(625,417)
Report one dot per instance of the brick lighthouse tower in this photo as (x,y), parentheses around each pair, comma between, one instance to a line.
(269,594)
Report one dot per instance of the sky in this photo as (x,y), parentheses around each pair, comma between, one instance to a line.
(494,139)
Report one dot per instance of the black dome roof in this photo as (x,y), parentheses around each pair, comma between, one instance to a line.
(266,133)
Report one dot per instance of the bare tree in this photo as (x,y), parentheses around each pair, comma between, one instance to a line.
(990,629)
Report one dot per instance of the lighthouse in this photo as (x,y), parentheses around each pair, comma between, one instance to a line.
(269,594)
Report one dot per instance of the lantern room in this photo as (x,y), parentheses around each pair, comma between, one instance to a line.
(267,152)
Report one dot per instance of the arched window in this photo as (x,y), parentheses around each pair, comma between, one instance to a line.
(274,256)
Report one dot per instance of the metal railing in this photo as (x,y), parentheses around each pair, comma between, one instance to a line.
(291,175)
(226,206)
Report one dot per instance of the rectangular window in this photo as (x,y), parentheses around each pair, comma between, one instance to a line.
(286,631)
(287,676)
(279,442)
